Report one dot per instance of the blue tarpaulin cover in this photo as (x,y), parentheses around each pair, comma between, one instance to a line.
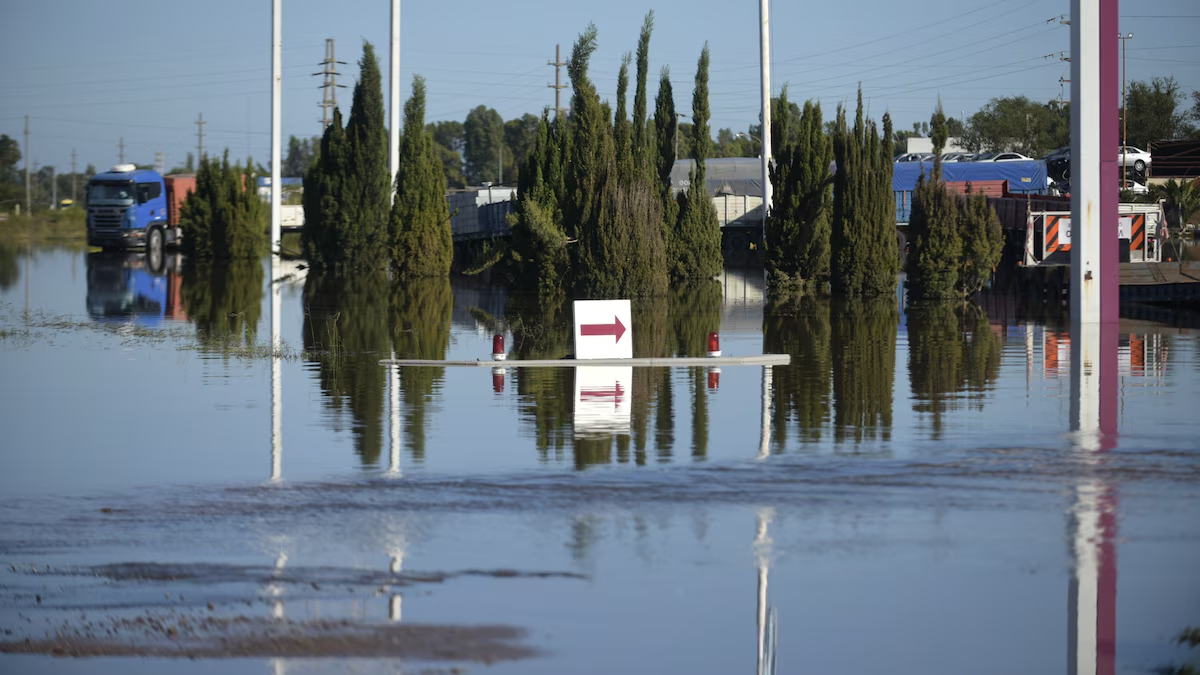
(1021,176)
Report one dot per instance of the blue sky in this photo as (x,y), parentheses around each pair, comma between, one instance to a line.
(90,73)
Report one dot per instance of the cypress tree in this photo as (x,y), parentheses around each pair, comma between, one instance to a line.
(982,243)
(538,246)
(864,255)
(367,191)
(324,215)
(619,251)
(935,259)
(622,128)
(666,125)
(802,204)
(694,249)
(641,139)
(223,218)
(419,229)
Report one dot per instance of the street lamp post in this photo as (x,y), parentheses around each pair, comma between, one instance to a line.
(1124,110)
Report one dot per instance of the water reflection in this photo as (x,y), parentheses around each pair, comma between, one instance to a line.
(951,349)
(127,286)
(863,342)
(345,335)
(801,394)
(224,300)
(419,315)
(10,266)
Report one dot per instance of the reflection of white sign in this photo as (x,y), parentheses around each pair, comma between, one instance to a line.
(602,329)
(602,400)
(1124,228)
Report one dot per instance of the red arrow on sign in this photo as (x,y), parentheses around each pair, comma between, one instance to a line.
(593,329)
(603,393)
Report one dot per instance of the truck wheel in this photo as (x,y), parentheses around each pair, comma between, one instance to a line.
(154,249)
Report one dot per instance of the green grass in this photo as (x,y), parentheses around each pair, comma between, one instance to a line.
(47,228)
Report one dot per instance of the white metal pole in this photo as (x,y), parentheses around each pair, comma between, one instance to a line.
(276,89)
(394,113)
(765,46)
(276,375)
(1086,158)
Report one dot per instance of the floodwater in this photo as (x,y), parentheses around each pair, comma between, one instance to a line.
(911,494)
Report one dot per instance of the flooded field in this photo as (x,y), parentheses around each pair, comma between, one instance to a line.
(180,493)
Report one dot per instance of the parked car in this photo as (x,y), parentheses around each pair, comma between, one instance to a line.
(1058,153)
(915,157)
(954,157)
(1134,187)
(1135,157)
(1002,157)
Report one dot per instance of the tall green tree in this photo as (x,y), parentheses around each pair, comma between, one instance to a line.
(982,243)
(324,215)
(802,205)
(620,250)
(224,218)
(933,228)
(300,153)
(539,258)
(419,227)
(694,246)
(864,255)
(520,134)
(641,137)
(666,125)
(1017,124)
(367,191)
(483,144)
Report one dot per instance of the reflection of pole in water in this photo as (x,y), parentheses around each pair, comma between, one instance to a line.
(276,375)
(1091,596)
(394,417)
(767,618)
(278,667)
(764,438)
(395,602)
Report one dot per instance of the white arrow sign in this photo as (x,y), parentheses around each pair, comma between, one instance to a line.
(602,329)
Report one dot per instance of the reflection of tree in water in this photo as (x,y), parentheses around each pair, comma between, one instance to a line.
(665,326)
(542,330)
(695,311)
(345,330)
(224,300)
(10,268)
(863,340)
(800,390)
(951,348)
(420,311)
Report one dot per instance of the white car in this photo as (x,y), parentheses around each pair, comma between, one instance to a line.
(1003,157)
(1134,187)
(1135,157)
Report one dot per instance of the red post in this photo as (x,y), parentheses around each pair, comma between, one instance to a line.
(498,347)
(714,345)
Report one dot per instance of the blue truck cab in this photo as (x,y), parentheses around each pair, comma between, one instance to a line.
(128,207)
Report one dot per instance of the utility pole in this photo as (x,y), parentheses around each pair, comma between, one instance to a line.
(121,151)
(394,103)
(28,189)
(330,85)
(1124,112)
(558,86)
(200,137)
(159,164)
(74,179)
(276,136)
(678,115)
(764,21)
